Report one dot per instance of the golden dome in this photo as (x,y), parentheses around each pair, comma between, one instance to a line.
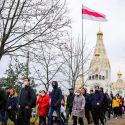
(119,74)
(99,32)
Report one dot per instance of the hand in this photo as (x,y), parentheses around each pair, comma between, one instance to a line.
(27,107)
(98,103)
(19,106)
(82,109)
(55,105)
(9,107)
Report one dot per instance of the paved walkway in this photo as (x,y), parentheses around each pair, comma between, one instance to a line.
(119,121)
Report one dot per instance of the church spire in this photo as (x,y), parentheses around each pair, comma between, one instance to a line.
(100,64)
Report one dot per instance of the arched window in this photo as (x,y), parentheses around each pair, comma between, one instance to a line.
(96,76)
(103,77)
(99,37)
(89,77)
(93,77)
(100,77)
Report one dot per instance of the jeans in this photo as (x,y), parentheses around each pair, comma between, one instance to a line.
(80,120)
(51,110)
(68,113)
(87,115)
(10,114)
(23,116)
(97,115)
(42,120)
(116,112)
(2,116)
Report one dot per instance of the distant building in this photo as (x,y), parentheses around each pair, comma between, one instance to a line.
(79,82)
(119,85)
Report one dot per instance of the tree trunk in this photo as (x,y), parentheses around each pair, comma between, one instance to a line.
(1,52)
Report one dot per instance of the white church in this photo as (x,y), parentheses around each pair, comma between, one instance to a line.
(100,70)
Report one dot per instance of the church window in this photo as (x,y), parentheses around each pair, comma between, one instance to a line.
(100,77)
(89,77)
(99,37)
(103,77)
(96,76)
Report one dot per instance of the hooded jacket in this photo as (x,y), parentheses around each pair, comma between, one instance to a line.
(56,96)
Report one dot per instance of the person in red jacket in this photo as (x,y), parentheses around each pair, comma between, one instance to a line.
(42,105)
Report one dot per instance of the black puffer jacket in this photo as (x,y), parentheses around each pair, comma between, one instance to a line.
(70,99)
(27,96)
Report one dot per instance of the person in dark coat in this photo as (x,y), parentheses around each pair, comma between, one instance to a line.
(3,98)
(109,105)
(56,97)
(11,107)
(105,103)
(27,98)
(69,104)
(97,105)
(87,105)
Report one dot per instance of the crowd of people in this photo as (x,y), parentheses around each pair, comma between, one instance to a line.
(96,106)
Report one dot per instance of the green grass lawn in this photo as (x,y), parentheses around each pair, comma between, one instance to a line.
(36,120)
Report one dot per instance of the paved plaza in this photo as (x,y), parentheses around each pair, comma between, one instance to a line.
(119,121)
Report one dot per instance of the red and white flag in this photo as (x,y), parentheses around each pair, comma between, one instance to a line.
(90,14)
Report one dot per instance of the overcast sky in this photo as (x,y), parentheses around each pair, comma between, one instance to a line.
(114,29)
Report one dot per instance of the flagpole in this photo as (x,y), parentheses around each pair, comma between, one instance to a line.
(82,49)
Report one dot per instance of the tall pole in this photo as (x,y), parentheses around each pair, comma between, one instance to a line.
(82,48)
(27,63)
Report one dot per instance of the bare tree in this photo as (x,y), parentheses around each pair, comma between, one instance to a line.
(76,56)
(47,64)
(25,22)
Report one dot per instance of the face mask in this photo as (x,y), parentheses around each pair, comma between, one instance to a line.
(96,91)
(77,94)
(42,94)
(54,86)
(71,92)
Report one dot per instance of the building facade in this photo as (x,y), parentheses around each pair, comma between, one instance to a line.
(119,85)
